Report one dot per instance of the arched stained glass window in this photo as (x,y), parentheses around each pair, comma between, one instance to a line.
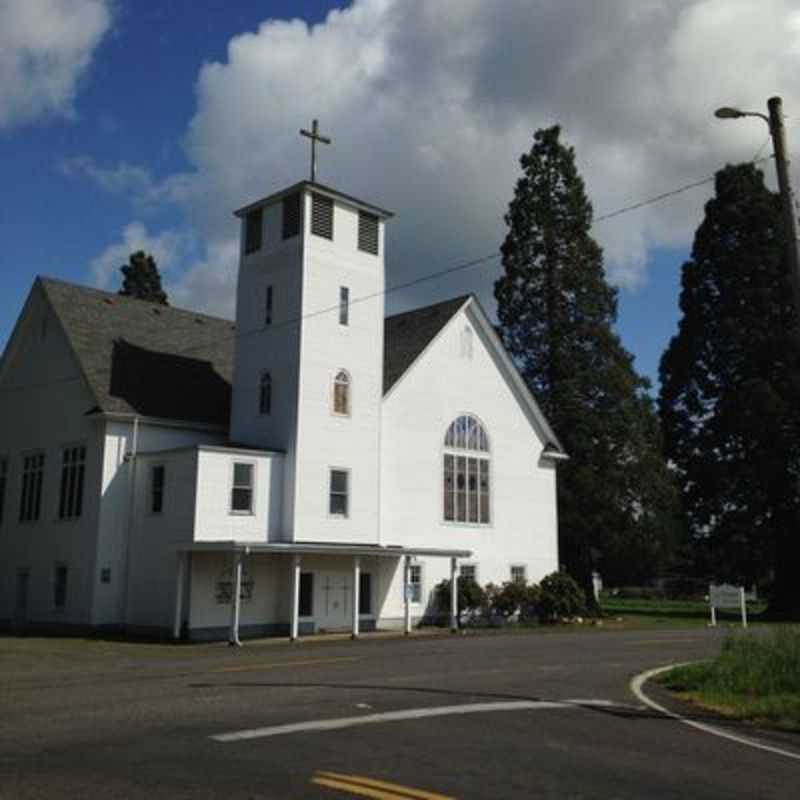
(341,393)
(265,394)
(466,472)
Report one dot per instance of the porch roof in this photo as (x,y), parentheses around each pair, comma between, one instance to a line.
(320,548)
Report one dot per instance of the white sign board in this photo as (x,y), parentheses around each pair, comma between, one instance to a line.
(725,595)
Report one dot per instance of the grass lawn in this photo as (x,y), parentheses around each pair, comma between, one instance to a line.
(755,678)
(638,612)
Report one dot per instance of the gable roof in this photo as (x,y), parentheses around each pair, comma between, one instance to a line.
(145,358)
(159,361)
(406,335)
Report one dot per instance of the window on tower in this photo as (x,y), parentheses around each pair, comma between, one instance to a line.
(252,231)
(268,307)
(292,208)
(339,495)
(265,394)
(368,232)
(322,216)
(341,393)
(344,305)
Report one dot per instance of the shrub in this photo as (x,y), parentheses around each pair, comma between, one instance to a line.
(559,596)
(508,599)
(471,597)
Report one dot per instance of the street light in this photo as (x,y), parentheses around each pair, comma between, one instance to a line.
(775,124)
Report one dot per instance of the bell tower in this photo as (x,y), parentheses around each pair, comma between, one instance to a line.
(308,364)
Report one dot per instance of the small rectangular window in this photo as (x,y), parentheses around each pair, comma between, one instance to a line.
(368,232)
(364,593)
(306,594)
(338,504)
(292,208)
(518,573)
(73,469)
(31,496)
(415,583)
(3,480)
(344,305)
(157,475)
(469,572)
(242,489)
(252,231)
(268,306)
(60,585)
(322,216)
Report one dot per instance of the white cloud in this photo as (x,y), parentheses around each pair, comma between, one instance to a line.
(168,248)
(430,104)
(45,48)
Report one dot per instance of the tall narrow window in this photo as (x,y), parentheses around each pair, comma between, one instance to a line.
(322,216)
(364,593)
(242,489)
(469,572)
(306,594)
(292,207)
(415,583)
(518,573)
(344,305)
(60,585)
(252,231)
(3,480)
(341,393)
(31,496)
(338,502)
(265,394)
(268,306)
(368,232)
(466,472)
(73,468)
(157,476)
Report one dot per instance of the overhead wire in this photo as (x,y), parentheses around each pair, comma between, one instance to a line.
(459,267)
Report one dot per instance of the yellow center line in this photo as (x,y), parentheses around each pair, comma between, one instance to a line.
(274,664)
(371,787)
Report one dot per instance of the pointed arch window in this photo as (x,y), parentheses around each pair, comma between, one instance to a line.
(265,394)
(341,393)
(466,475)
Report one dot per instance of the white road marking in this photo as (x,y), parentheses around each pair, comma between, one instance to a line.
(389,716)
(636,687)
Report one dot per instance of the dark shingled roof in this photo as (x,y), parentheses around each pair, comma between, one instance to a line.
(160,361)
(145,358)
(406,335)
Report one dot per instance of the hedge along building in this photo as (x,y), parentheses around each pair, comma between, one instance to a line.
(312,467)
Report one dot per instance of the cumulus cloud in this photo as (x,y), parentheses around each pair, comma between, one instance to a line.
(168,248)
(430,104)
(45,48)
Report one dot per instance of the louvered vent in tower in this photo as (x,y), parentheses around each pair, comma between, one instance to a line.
(322,216)
(291,215)
(368,232)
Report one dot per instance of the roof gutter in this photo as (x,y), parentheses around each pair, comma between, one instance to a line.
(163,422)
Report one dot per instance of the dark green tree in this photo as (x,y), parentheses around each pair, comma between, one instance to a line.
(556,311)
(730,391)
(142,279)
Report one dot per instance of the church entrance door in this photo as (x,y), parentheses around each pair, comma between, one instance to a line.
(335,598)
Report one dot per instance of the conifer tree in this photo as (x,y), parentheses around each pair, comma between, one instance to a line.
(730,391)
(142,279)
(616,499)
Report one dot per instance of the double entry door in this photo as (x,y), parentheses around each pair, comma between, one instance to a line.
(334,600)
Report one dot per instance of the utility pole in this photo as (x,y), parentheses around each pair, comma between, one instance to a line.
(776,129)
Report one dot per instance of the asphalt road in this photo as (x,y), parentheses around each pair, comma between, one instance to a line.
(550,715)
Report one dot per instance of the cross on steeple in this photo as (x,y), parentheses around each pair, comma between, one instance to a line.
(315,137)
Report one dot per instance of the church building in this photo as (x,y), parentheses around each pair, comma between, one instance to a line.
(314,466)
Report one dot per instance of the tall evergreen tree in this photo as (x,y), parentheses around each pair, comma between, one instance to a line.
(730,391)
(142,279)
(616,497)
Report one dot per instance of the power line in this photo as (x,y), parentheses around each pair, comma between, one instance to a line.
(459,267)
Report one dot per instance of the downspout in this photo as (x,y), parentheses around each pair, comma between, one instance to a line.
(130,457)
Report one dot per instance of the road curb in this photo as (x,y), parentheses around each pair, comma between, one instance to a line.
(637,687)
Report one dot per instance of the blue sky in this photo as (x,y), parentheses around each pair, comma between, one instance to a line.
(143,124)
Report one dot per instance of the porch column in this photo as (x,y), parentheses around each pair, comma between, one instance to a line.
(295,622)
(453,594)
(407,594)
(180,579)
(236,590)
(356,593)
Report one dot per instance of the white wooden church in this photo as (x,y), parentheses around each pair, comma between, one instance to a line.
(312,467)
